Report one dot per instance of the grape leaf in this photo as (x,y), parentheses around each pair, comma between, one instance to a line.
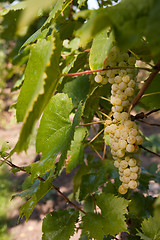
(89,204)
(93,99)
(140,206)
(153,30)
(150,228)
(77,89)
(76,122)
(128,19)
(93,225)
(53,133)
(101,46)
(151,97)
(59,7)
(9,24)
(31,11)
(13,7)
(36,194)
(91,182)
(83,169)
(90,28)
(75,154)
(38,34)
(59,225)
(34,81)
(50,83)
(113,209)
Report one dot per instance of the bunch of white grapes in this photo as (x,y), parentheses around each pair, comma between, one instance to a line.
(124,136)
(124,141)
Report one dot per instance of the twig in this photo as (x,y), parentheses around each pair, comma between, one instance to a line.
(153,111)
(43,180)
(146,149)
(145,86)
(104,152)
(102,69)
(151,124)
(96,136)
(87,124)
(96,152)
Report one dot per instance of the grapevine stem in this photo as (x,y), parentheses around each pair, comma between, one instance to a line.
(146,149)
(86,124)
(105,99)
(96,136)
(105,115)
(151,124)
(43,180)
(102,69)
(152,111)
(145,86)
(96,152)
(104,152)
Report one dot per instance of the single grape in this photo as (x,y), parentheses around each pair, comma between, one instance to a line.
(122,190)
(132,184)
(130,148)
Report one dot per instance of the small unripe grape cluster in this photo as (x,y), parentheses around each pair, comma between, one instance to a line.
(124,136)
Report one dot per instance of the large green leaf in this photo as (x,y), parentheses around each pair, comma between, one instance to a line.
(77,89)
(59,7)
(34,77)
(9,24)
(153,30)
(91,182)
(76,122)
(31,11)
(101,46)
(113,209)
(93,225)
(83,169)
(13,7)
(41,97)
(151,97)
(90,28)
(59,225)
(35,194)
(76,152)
(128,19)
(150,228)
(53,133)
(140,206)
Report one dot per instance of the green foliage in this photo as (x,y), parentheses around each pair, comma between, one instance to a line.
(91,182)
(76,153)
(93,225)
(60,40)
(150,228)
(42,91)
(59,225)
(77,89)
(113,210)
(101,46)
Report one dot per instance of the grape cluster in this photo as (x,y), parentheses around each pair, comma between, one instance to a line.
(124,141)
(124,136)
